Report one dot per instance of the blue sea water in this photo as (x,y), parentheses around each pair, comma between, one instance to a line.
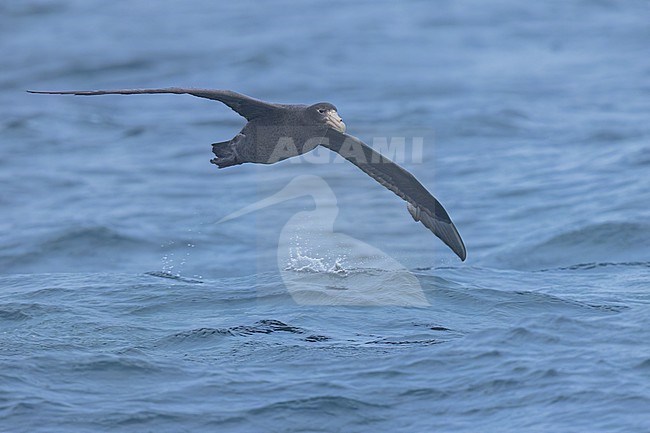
(125,305)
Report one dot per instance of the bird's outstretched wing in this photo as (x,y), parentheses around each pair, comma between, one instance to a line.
(246,106)
(421,204)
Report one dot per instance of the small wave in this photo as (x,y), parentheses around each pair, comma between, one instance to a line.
(611,135)
(432,327)
(360,287)
(327,404)
(598,265)
(402,342)
(494,124)
(168,275)
(644,365)
(267,326)
(26,311)
(612,242)
(84,237)
(640,158)
(317,338)
(85,69)
(20,9)
(13,315)
(137,418)
(91,247)
(120,364)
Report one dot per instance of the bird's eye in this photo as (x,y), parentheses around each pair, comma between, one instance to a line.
(321,110)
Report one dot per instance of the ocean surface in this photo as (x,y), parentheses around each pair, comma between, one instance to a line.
(127,304)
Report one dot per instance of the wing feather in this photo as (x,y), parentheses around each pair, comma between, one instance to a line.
(246,106)
(421,204)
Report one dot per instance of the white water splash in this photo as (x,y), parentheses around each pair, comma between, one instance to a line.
(301,261)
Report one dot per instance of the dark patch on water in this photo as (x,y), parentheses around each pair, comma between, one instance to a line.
(170,276)
(260,327)
(589,266)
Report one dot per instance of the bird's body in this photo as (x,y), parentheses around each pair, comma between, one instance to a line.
(280,134)
(275,132)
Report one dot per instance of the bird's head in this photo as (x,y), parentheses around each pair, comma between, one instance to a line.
(325,113)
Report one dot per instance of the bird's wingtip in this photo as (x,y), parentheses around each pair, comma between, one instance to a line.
(460,250)
(47,92)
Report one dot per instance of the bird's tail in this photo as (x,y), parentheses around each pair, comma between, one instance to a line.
(225,156)
(223,149)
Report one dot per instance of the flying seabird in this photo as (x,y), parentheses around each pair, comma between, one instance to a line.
(275,132)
